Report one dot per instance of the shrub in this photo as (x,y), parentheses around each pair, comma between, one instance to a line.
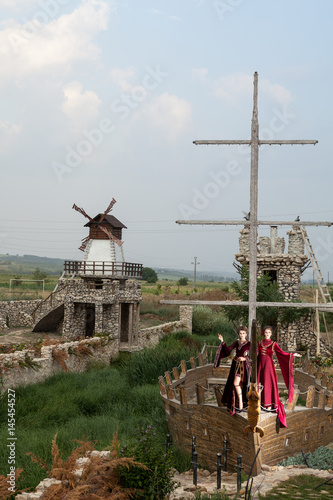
(321,459)
(156,481)
(206,322)
(146,366)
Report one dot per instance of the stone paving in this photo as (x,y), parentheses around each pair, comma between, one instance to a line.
(263,483)
(206,483)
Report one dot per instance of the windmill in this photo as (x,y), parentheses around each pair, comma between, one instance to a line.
(104,232)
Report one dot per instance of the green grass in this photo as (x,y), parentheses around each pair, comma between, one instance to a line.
(303,486)
(93,405)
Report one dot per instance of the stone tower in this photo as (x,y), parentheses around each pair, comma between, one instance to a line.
(286,269)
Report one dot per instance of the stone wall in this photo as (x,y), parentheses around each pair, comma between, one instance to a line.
(151,336)
(301,334)
(17,313)
(24,367)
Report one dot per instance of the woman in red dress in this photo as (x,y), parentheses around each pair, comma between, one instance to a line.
(267,378)
(239,372)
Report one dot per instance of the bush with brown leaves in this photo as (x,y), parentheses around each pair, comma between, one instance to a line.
(99,478)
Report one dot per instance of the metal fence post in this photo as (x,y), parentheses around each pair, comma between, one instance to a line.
(195,468)
(225,451)
(219,468)
(239,472)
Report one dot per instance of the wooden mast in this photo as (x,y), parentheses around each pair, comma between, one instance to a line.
(254,142)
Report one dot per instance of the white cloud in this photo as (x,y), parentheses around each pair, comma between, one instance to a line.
(233,88)
(200,74)
(8,131)
(121,76)
(170,114)
(35,48)
(156,12)
(276,91)
(81,108)
(16,4)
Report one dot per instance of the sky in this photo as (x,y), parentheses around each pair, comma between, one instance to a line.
(103,99)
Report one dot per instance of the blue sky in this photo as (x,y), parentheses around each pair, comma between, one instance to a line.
(103,99)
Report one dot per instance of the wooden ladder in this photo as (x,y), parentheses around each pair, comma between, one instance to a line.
(323,288)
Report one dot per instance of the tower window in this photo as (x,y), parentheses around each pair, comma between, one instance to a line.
(272,274)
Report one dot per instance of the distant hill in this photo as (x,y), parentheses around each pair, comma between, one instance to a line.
(26,264)
(175,274)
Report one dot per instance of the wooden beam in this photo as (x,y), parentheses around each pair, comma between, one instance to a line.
(298,305)
(259,223)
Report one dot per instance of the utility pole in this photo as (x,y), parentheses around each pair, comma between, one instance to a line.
(195,272)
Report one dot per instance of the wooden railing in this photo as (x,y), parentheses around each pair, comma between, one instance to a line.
(126,269)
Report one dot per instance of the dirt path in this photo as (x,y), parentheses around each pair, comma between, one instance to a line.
(20,335)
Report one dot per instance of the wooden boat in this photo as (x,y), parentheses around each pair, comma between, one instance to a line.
(192,399)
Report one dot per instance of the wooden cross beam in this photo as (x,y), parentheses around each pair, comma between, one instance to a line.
(244,303)
(253,222)
(259,223)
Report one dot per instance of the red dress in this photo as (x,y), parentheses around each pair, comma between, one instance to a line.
(267,376)
(237,367)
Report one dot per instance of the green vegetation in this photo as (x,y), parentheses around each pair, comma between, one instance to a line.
(267,291)
(182,281)
(92,406)
(303,486)
(322,459)
(149,275)
(156,482)
(208,322)
(26,264)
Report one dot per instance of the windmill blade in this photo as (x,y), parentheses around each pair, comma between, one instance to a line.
(78,209)
(84,243)
(111,236)
(113,201)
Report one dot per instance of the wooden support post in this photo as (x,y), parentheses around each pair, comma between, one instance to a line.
(183,368)
(322,399)
(317,324)
(330,384)
(192,361)
(200,360)
(170,392)
(291,406)
(218,395)
(168,378)
(200,394)
(182,394)
(162,385)
(306,366)
(319,373)
(312,369)
(330,401)
(257,465)
(175,373)
(324,380)
(310,396)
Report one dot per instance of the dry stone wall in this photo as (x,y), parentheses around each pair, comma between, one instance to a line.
(151,336)
(24,367)
(17,313)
